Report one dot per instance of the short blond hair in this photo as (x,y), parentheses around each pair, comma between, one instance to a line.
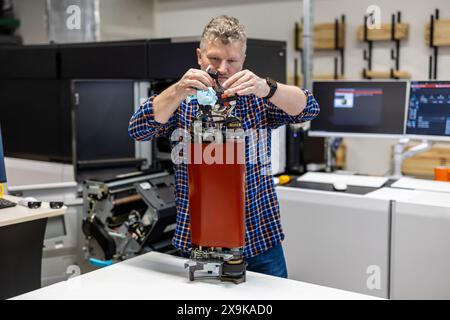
(225,28)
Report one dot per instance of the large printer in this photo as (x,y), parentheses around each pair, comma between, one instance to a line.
(128,208)
(128,215)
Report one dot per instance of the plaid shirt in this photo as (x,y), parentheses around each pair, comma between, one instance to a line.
(262,214)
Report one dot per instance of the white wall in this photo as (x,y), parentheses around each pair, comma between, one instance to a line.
(271,19)
(119,20)
(30,172)
(31,14)
(126,19)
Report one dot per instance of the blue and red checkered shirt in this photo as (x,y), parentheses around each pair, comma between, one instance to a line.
(262,214)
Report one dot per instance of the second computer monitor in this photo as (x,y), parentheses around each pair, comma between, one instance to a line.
(429,110)
(360,108)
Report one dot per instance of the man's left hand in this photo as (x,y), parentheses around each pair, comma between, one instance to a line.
(246,82)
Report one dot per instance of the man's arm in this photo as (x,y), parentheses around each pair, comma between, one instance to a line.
(277,116)
(156,117)
(288,105)
(290,99)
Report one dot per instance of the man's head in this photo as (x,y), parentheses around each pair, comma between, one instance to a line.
(223,46)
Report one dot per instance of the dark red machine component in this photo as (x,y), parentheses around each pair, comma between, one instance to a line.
(217,197)
(216,182)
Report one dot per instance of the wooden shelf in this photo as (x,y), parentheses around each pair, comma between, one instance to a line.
(441,33)
(423,164)
(326,76)
(384,33)
(325,36)
(387,74)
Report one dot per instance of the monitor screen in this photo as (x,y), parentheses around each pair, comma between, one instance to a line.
(45,132)
(103,110)
(429,109)
(352,108)
(2,161)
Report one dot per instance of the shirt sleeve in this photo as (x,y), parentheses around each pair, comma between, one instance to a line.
(277,117)
(143,125)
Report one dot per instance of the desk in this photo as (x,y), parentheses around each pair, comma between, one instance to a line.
(22,233)
(163,277)
(335,239)
(429,198)
(341,240)
(420,255)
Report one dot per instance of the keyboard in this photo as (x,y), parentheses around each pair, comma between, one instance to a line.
(6,204)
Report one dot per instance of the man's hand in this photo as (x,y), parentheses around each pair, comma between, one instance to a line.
(246,82)
(165,104)
(192,80)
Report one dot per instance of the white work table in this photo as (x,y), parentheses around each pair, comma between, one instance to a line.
(19,214)
(157,276)
(430,198)
(22,232)
(420,234)
(396,236)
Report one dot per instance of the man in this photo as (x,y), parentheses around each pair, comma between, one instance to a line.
(262,104)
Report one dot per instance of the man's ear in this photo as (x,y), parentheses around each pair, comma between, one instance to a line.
(199,56)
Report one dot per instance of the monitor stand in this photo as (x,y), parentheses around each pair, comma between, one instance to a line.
(331,146)
(400,154)
(328,155)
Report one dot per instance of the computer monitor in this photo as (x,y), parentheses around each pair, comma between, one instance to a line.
(360,108)
(44,134)
(429,110)
(2,161)
(103,110)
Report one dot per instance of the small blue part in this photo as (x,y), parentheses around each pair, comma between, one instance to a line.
(100,263)
(204,97)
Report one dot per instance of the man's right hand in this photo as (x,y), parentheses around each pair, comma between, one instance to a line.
(192,80)
(165,104)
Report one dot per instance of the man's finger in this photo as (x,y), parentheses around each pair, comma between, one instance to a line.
(191,91)
(246,91)
(196,85)
(205,79)
(233,78)
(238,88)
(209,81)
(241,80)
(201,76)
